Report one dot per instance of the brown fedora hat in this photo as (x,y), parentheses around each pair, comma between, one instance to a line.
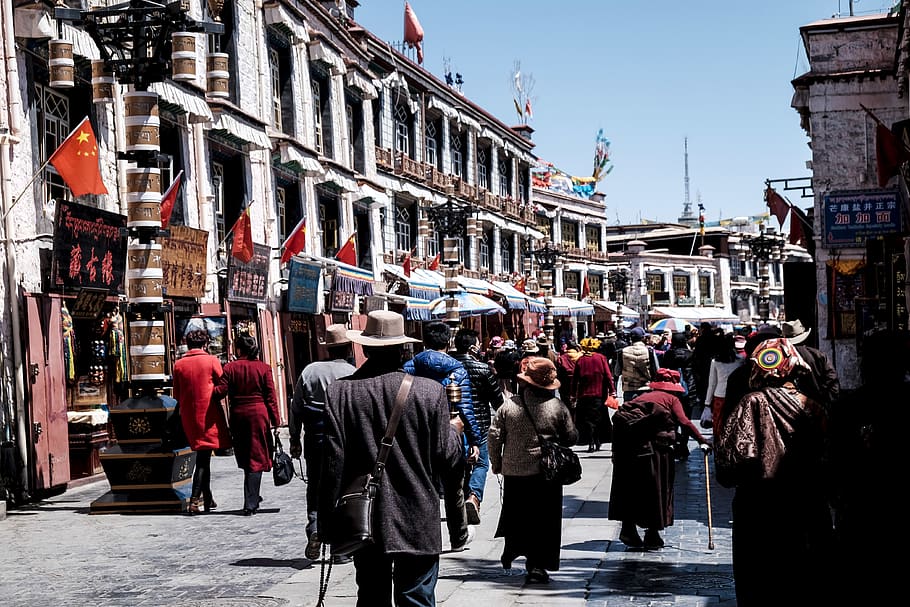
(539,371)
(383,328)
(336,335)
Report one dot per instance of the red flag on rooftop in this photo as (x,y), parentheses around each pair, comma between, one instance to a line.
(295,242)
(434,264)
(169,199)
(242,245)
(528,111)
(776,203)
(413,32)
(347,253)
(889,154)
(77,161)
(406,264)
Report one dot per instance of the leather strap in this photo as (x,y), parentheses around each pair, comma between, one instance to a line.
(386,444)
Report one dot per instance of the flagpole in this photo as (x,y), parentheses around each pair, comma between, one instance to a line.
(799,216)
(880,122)
(27,186)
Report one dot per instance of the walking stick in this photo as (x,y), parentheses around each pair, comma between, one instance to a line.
(706,449)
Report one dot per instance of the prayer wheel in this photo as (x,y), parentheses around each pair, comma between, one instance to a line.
(60,64)
(141,121)
(103,82)
(183,56)
(217,75)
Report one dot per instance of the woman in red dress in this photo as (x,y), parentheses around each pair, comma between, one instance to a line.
(247,383)
(195,377)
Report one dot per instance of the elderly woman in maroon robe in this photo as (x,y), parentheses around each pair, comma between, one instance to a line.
(247,383)
(772,448)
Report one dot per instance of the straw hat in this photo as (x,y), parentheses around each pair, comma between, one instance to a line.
(539,371)
(383,328)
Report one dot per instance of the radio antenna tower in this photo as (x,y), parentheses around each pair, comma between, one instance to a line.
(687,217)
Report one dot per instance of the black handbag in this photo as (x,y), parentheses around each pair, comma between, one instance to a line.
(282,465)
(559,464)
(353,515)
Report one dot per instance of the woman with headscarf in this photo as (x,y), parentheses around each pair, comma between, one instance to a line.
(533,532)
(771,447)
(195,376)
(247,383)
(644,433)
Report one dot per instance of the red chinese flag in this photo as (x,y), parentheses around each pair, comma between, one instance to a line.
(169,200)
(520,284)
(348,254)
(889,154)
(776,203)
(77,161)
(413,32)
(528,111)
(434,265)
(242,246)
(796,229)
(295,242)
(406,265)
(585,288)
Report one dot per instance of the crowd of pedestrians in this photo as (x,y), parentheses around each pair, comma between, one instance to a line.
(771,406)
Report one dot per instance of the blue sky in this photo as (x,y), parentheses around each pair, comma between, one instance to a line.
(649,73)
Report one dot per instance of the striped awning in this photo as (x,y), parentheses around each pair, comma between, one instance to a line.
(351,279)
(416,308)
(515,299)
(421,283)
(565,306)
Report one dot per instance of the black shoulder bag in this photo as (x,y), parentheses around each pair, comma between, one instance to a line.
(559,464)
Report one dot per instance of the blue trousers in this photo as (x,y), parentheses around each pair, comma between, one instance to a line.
(478,476)
(409,578)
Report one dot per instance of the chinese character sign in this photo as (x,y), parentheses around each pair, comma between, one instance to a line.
(249,282)
(852,217)
(89,248)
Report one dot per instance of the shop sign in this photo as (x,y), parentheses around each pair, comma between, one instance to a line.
(853,217)
(88,304)
(89,248)
(342,301)
(303,286)
(183,261)
(298,324)
(248,282)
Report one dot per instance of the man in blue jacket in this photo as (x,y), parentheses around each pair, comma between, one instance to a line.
(435,363)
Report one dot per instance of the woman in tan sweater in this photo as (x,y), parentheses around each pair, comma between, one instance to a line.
(535,533)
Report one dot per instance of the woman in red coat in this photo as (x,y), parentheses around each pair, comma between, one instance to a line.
(247,382)
(195,377)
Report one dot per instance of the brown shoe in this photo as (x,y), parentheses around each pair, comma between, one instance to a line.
(472,509)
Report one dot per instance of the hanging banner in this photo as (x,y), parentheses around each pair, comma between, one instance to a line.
(303,286)
(248,282)
(853,217)
(183,258)
(89,248)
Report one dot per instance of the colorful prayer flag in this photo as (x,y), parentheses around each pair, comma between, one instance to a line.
(295,242)
(77,161)
(242,245)
(169,199)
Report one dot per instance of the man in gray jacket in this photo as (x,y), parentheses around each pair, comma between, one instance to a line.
(402,564)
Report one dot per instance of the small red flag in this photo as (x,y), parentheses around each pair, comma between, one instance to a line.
(796,229)
(295,242)
(585,288)
(169,200)
(520,284)
(434,264)
(77,161)
(406,265)
(348,254)
(242,246)
(889,154)
(528,111)
(413,32)
(776,203)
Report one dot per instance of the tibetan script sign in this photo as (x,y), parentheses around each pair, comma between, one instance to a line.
(248,282)
(183,257)
(89,248)
(303,286)
(88,304)
(853,217)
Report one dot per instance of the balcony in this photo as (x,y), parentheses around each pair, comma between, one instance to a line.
(438,179)
(510,208)
(490,201)
(384,158)
(463,189)
(685,300)
(407,166)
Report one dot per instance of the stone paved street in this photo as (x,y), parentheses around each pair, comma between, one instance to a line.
(56,554)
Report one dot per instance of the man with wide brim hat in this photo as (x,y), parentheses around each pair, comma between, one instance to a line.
(794,331)
(427,454)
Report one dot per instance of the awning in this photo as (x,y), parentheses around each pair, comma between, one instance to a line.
(419,285)
(240,129)
(515,299)
(191,104)
(475,285)
(319,51)
(565,306)
(695,314)
(415,308)
(359,81)
(615,307)
(469,304)
(351,279)
(309,166)
(372,194)
(278,15)
(82,42)
(344,183)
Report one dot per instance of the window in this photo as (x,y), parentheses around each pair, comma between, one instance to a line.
(736,267)
(570,281)
(681,285)
(506,252)
(483,169)
(402,130)
(322,112)
(595,284)
(430,143)
(432,242)
(354,117)
(316,87)
(455,143)
(55,124)
(704,287)
(484,250)
(505,176)
(281,197)
(592,238)
(543,225)
(218,193)
(275,76)
(403,229)
(569,234)
(654,282)
(328,223)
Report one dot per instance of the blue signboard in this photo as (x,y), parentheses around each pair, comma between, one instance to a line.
(303,286)
(851,218)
